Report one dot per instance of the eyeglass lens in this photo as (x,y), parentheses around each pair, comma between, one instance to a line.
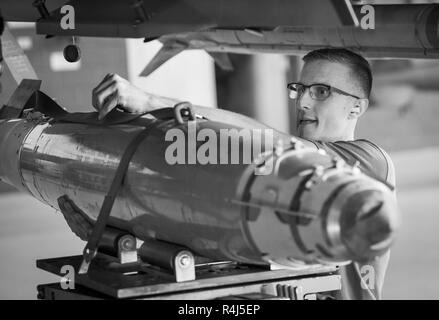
(317,92)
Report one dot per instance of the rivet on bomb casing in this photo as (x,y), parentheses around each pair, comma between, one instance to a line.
(356,168)
(270,195)
(339,163)
(318,172)
(296,143)
(309,184)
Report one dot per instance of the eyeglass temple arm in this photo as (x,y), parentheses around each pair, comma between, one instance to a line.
(344,92)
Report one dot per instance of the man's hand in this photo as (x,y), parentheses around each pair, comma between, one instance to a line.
(115,91)
(75,217)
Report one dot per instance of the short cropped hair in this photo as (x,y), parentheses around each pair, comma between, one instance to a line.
(360,68)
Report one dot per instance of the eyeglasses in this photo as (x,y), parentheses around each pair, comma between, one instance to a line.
(317,91)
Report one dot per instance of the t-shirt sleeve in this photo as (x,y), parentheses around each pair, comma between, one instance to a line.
(371,159)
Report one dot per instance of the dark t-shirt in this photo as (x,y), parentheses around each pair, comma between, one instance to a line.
(375,162)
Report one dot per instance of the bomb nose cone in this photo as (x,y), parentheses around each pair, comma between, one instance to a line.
(369,221)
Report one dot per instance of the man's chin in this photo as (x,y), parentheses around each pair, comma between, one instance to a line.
(307,134)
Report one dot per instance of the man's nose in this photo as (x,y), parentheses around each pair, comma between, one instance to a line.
(304,102)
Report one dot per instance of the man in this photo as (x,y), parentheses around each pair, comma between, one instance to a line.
(331,95)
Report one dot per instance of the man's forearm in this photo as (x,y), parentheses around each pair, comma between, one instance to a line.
(156,102)
(236,119)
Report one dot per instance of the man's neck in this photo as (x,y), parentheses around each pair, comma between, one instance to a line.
(346,137)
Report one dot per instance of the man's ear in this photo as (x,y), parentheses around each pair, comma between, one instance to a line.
(358,108)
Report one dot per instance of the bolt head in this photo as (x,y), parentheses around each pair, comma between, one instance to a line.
(185,260)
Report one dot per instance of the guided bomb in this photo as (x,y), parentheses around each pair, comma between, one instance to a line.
(309,209)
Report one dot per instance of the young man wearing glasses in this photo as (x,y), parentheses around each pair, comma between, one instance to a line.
(331,95)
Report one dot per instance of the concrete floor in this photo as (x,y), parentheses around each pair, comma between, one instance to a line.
(412,272)
(29,231)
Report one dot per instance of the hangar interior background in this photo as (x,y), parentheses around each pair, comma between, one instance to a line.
(403,120)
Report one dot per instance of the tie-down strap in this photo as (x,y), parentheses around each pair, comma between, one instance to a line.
(91,248)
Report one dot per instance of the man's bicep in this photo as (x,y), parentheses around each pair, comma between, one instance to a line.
(367,156)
